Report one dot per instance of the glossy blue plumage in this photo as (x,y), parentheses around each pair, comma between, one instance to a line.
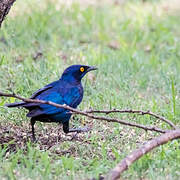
(67,90)
(60,92)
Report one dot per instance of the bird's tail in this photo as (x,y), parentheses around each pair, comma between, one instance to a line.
(17,104)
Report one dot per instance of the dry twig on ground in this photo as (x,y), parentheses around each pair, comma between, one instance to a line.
(139,112)
(135,155)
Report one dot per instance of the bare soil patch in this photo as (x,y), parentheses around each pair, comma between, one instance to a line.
(14,137)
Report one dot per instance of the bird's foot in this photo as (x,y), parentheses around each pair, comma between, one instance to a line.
(74,136)
(79,130)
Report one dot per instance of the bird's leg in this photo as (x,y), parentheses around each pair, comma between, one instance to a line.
(66,127)
(33,121)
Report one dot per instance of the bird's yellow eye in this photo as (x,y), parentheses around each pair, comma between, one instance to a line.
(82,69)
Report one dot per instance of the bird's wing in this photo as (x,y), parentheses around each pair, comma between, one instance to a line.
(45,109)
(71,97)
(45,88)
(30,106)
(38,92)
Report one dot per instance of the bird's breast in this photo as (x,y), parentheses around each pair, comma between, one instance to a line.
(73,95)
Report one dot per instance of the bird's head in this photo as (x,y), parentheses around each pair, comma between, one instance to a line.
(75,73)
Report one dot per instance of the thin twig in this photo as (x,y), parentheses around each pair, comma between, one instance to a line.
(138,153)
(76,111)
(140,112)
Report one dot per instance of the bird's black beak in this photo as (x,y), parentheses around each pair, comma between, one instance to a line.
(91,68)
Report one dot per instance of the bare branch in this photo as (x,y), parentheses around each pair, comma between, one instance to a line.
(135,155)
(140,112)
(76,111)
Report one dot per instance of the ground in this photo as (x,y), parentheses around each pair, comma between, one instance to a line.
(134,44)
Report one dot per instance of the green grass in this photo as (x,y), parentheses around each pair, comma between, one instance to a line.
(142,72)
